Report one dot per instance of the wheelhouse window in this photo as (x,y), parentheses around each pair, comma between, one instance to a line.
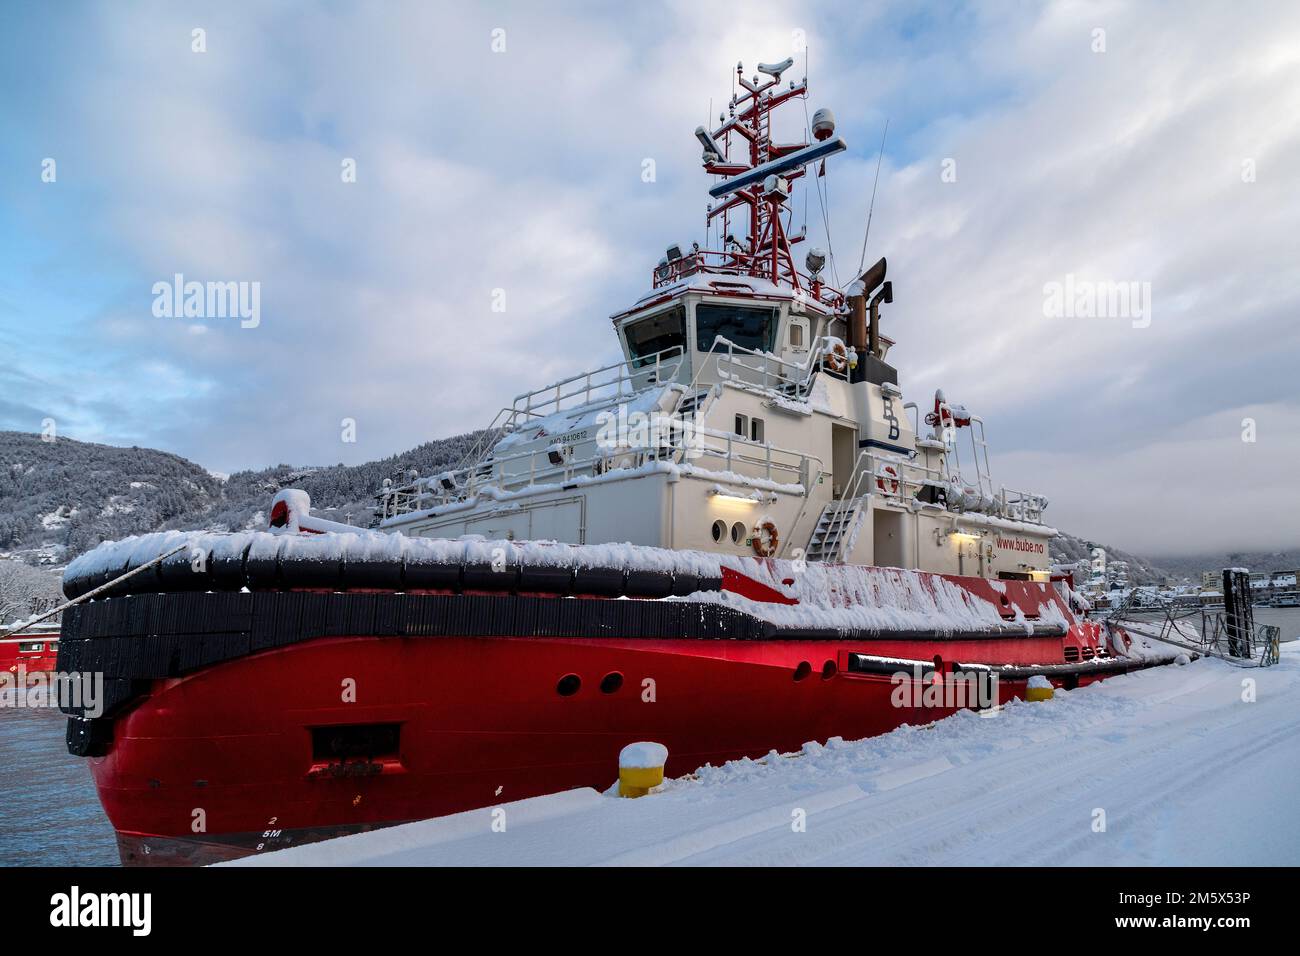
(30,647)
(656,333)
(745,326)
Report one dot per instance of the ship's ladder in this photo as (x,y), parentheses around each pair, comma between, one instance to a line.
(692,403)
(837,530)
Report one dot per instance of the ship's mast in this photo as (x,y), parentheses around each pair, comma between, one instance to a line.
(758,187)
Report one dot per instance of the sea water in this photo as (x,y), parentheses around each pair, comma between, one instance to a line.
(49,811)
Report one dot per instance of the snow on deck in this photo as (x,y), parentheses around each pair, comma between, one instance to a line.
(1186,772)
(835,596)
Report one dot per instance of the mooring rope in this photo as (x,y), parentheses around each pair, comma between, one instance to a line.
(90,594)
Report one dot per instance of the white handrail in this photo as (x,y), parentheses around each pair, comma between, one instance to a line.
(628,371)
(801,385)
(773,462)
(1008,504)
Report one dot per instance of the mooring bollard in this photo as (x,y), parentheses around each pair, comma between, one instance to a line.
(1039,688)
(640,768)
(1238,612)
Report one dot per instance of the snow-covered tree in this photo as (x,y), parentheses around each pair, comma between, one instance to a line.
(26,591)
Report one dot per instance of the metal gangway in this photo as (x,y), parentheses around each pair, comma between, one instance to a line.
(1230,635)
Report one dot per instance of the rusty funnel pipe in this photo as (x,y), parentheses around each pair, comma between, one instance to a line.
(886,294)
(872,278)
(858,291)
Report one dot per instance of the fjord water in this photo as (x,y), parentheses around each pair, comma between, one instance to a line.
(49,812)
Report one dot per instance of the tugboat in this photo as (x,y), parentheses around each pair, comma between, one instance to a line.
(739,538)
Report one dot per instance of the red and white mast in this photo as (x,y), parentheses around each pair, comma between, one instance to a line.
(758,175)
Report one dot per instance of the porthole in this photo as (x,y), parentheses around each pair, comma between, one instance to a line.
(828,670)
(802,671)
(611,682)
(719,530)
(738,531)
(568,685)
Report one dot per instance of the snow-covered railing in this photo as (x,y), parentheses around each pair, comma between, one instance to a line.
(896,478)
(771,372)
(607,383)
(772,463)
(1021,506)
(706,450)
(671,271)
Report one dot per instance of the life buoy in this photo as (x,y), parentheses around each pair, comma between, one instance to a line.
(837,359)
(766,539)
(887,480)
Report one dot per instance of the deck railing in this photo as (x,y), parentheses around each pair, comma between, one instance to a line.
(767,371)
(729,457)
(899,479)
(607,383)
(604,384)
(738,264)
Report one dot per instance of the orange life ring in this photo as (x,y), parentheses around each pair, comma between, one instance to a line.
(766,539)
(887,480)
(837,359)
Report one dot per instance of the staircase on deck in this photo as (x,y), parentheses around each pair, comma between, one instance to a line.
(693,402)
(837,530)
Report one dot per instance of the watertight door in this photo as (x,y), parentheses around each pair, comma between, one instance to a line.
(888,539)
(844,448)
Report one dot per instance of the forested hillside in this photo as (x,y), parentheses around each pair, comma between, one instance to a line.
(60,498)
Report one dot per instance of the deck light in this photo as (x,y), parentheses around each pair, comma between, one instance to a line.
(753,499)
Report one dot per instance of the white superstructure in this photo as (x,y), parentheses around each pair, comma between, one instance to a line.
(754,411)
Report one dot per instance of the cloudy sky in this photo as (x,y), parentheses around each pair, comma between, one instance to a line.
(1028,144)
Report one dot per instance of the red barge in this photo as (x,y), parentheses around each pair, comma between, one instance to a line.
(739,538)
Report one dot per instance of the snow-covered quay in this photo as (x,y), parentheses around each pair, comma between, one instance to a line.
(1190,765)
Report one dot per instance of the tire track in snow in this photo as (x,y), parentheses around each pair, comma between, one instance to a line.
(951,818)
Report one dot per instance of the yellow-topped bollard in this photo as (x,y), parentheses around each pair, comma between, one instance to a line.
(641,768)
(1039,688)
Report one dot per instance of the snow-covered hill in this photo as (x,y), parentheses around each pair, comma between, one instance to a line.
(60,498)
(1067,549)
(1171,766)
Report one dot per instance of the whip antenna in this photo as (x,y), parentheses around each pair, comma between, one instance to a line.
(872,208)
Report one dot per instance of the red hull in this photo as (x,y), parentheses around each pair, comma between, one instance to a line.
(481,723)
